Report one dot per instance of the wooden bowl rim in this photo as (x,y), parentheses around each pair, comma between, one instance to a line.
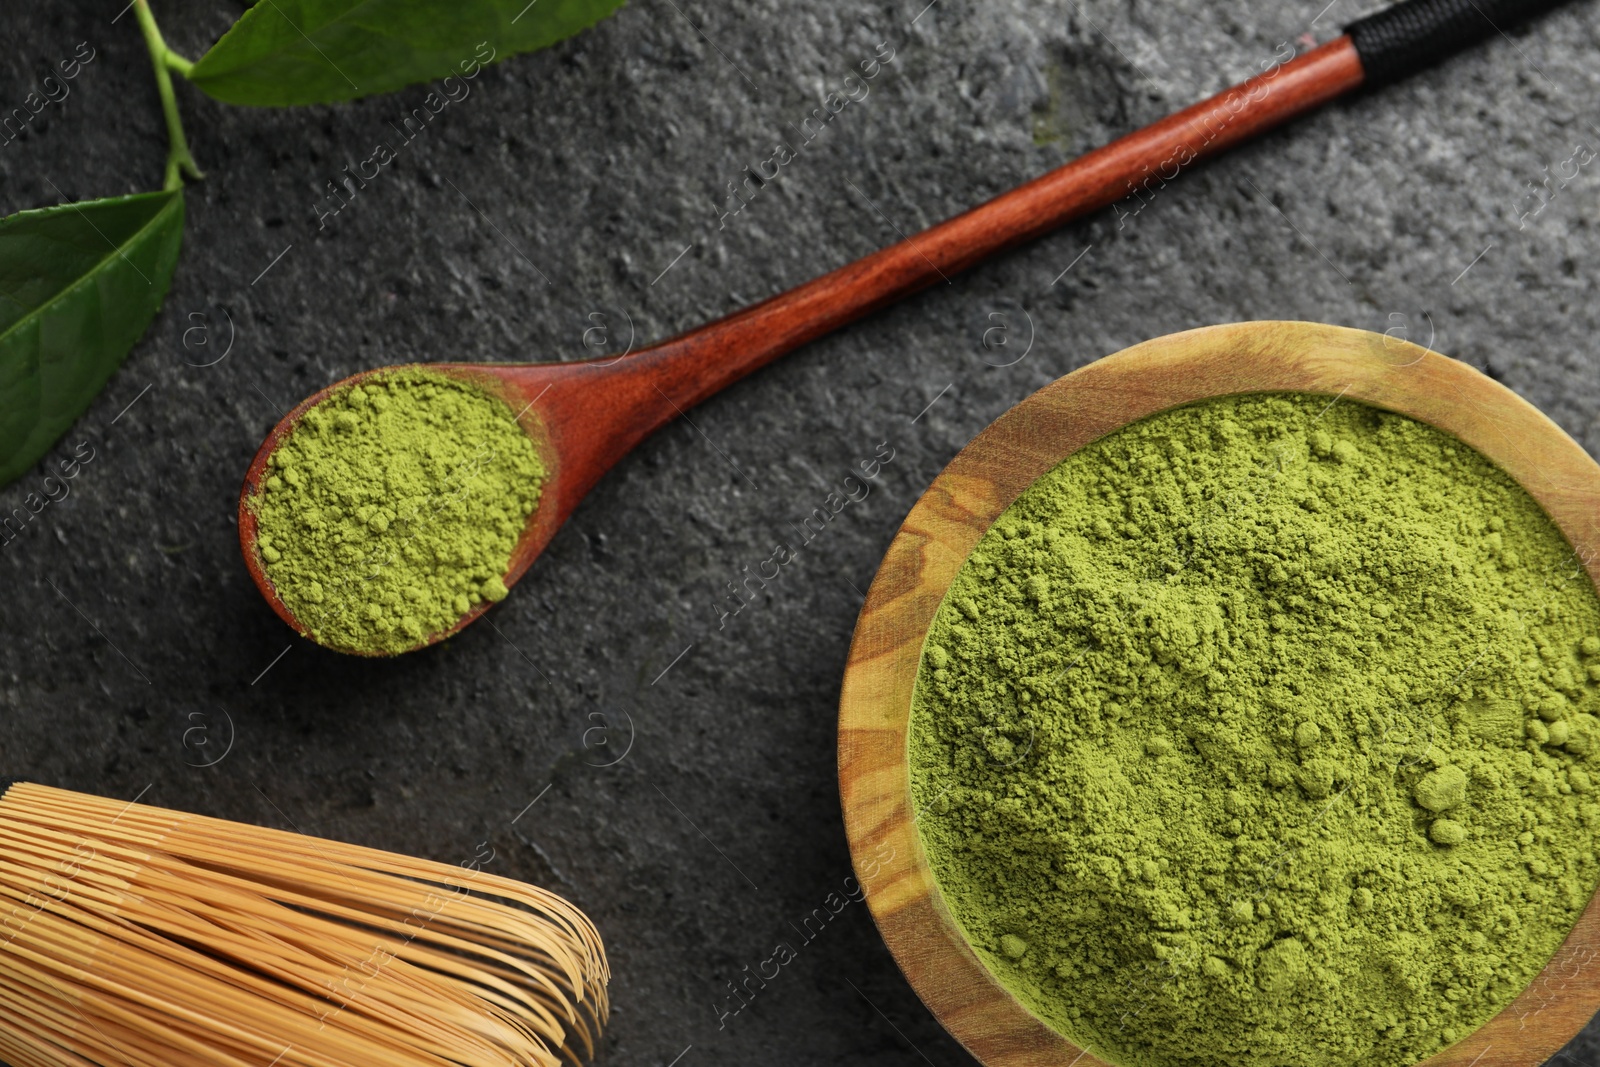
(989,474)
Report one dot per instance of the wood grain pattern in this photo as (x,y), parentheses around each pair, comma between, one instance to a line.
(1031,439)
(585,416)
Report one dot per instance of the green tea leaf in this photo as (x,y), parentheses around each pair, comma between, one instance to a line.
(78,285)
(286,52)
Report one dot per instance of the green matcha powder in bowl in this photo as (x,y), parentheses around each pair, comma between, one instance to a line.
(1264,731)
(393,507)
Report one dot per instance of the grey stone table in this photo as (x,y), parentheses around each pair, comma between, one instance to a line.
(590,180)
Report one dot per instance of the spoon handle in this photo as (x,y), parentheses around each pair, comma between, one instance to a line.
(660,383)
(714,356)
(1376,50)
(1406,37)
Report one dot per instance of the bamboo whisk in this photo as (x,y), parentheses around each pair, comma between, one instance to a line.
(133,936)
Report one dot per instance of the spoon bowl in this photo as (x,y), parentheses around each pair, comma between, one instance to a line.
(535,534)
(573,451)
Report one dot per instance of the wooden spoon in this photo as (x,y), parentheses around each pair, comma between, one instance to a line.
(585,416)
(987,477)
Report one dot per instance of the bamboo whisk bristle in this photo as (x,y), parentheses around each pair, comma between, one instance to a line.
(133,936)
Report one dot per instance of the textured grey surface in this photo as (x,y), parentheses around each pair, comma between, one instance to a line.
(565,184)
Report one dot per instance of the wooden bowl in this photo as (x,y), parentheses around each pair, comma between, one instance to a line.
(1005,459)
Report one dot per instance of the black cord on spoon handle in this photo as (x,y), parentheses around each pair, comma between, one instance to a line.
(1415,34)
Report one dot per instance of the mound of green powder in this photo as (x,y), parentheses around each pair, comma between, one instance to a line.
(1264,732)
(393,508)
